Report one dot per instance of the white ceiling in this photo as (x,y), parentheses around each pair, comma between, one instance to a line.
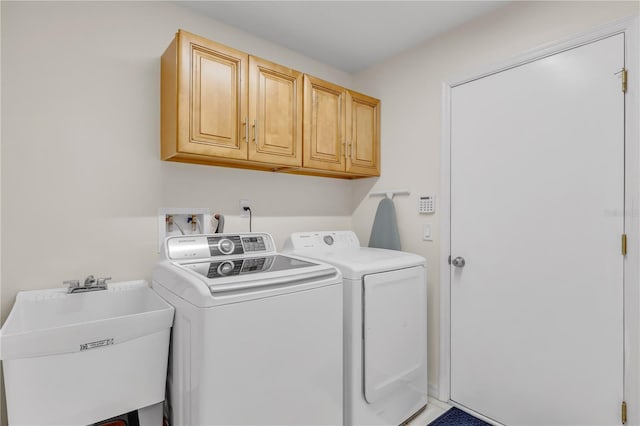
(349,35)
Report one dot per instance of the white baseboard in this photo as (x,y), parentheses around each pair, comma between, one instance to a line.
(434,402)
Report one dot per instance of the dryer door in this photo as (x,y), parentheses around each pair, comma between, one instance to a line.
(395,332)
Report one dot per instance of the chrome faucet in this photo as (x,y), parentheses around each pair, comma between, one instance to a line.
(90,284)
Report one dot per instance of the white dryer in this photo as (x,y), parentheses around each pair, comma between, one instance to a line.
(257,336)
(385,325)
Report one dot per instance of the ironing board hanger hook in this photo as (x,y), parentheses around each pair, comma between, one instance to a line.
(390,194)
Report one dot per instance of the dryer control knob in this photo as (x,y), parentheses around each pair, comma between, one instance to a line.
(226,246)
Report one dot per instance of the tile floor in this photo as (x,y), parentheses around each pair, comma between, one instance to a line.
(435,409)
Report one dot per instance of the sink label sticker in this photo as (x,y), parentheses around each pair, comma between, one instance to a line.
(97,344)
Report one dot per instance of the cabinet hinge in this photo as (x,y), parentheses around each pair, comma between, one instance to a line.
(623,412)
(624,244)
(623,75)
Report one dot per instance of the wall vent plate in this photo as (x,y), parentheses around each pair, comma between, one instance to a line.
(427,204)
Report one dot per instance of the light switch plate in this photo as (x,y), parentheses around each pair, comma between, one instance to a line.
(426,232)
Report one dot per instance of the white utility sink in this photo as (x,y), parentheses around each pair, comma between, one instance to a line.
(46,322)
(79,358)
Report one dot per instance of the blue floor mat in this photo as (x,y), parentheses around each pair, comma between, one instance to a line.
(456,417)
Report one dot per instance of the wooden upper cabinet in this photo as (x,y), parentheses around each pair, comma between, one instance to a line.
(209,99)
(275,113)
(341,130)
(324,125)
(221,106)
(363,134)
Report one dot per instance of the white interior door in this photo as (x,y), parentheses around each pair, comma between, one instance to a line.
(537,194)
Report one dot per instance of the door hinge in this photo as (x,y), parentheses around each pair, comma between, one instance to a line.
(624,244)
(623,412)
(623,75)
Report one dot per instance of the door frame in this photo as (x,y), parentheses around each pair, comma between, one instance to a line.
(631,264)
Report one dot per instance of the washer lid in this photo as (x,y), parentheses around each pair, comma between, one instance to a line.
(216,281)
(354,263)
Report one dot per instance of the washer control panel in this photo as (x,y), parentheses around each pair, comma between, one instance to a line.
(222,245)
(218,245)
(254,244)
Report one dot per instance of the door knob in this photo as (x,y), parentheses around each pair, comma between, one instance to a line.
(458,262)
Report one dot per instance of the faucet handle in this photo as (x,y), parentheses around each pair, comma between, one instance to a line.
(103,281)
(71,283)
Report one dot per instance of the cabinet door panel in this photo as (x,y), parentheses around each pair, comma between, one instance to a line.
(214,109)
(275,113)
(216,88)
(324,125)
(363,134)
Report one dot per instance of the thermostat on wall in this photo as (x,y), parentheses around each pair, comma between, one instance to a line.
(427,204)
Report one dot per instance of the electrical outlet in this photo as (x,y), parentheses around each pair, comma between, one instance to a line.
(243,204)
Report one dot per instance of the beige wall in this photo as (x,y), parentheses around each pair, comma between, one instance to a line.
(410,87)
(81,175)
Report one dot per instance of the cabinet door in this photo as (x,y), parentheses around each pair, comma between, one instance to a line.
(363,134)
(212,91)
(275,113)
(324,125)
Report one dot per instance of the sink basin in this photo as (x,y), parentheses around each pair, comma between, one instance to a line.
(57,348)
(46,322)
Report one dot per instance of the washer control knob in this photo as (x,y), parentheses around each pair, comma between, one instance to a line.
(328,239)
(225,267)
(226,246)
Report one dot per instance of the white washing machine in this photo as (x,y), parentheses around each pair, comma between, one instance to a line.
(257,336)
(385,325)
